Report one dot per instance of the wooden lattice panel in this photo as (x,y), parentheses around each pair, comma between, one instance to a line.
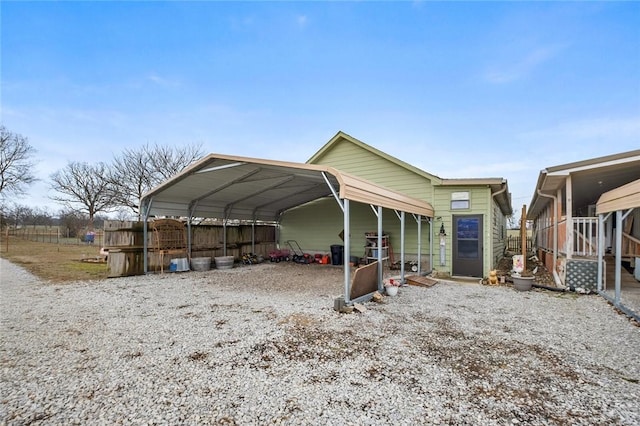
(169,234)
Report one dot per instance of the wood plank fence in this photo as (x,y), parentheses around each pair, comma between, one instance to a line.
(125,242)
(514,243)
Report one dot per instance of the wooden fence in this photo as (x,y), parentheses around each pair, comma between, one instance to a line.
(514,243)
(125,242)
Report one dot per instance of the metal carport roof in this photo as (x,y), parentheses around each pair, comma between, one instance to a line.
(620,201)
(232,187)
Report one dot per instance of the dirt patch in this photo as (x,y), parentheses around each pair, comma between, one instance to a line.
(542,275)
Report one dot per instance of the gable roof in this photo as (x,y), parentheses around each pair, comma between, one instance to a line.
(232,187)
(342,136)
(498,185)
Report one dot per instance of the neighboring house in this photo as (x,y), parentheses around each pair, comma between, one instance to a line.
(565,224)
(472,213)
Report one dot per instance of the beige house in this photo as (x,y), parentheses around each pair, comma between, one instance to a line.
(565,221)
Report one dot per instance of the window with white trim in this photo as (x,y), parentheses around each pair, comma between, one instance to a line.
(460,200)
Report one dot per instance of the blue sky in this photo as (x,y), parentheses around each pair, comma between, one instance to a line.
(459,89)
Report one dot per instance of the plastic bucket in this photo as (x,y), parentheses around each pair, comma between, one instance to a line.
(182,264)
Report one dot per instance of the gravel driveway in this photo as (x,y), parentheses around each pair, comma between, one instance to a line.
(262,345)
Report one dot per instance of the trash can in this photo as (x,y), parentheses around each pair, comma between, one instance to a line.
(337,252)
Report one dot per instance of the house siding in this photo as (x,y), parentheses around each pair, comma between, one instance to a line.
(356,160)
(499,233)
(316,227)
(479,203)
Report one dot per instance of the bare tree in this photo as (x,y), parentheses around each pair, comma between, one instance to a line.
(168,161)
(16,214)
(83,187)
(15,163)
(136,171)
(72,222)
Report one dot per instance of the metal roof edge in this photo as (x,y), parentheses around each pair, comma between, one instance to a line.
(473,181)
(351,186)
(595,162)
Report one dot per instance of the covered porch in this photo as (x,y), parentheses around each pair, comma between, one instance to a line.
(566,228)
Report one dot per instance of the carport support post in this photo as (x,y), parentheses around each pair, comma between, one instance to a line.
(224,237)
(189,236)
(253,236)
(431,244)
(146,208)
(419,244)
(402,248)
(346,253)
(600,250)
(616,301)
(192,209)
(380,286)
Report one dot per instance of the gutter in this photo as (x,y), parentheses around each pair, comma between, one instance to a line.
(498,192)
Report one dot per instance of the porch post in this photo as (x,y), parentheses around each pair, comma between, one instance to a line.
(569,208)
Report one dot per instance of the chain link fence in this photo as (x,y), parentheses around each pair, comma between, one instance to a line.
(54,235)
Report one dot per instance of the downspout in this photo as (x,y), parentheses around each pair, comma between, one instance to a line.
(556,277)
(498,192)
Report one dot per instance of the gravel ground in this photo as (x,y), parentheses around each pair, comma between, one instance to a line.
(262,345)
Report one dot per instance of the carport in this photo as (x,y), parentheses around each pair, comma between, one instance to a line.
(251,189)
(621,201)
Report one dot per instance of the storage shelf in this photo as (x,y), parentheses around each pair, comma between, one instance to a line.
(371,248)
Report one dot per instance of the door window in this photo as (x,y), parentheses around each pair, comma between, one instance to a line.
(468,236)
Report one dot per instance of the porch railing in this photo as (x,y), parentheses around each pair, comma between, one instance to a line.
(630,246)
(585,236)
